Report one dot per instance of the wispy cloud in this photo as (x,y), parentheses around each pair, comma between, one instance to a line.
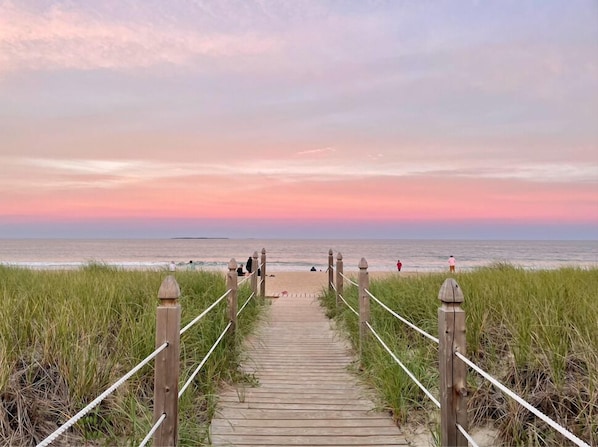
(62,38)
(323,150)
(81,173)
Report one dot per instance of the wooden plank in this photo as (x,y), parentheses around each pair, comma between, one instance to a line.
(297,406)
(296,399)
(261,430)
(262,413)
(276,385)
(372,422)
(333,440)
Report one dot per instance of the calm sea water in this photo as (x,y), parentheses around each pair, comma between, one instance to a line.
(295,255)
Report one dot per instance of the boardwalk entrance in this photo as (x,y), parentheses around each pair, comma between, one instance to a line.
(305,395)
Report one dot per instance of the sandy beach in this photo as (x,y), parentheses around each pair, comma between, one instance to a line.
(301,283)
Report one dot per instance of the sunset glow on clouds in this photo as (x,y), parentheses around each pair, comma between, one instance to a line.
(299,119)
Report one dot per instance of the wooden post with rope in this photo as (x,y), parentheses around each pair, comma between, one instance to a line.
(232,284)
(364,306)
(166,378)
(254,269)
(339,278)
(263,273)
(453,372)
(330,270)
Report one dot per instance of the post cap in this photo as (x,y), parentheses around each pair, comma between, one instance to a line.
(450,292)
(363,264)
(330,252)
(339,256)
(169,289)
(232,264)
(255,254)
(263,251)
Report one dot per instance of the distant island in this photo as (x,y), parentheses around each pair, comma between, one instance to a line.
(189,237)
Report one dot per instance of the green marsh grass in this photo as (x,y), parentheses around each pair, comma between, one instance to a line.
(535,331)
(66,336)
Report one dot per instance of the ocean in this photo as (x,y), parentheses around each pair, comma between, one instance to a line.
(295,255)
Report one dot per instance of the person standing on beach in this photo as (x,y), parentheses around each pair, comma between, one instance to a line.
(451,263)
(399,265)
(249,264)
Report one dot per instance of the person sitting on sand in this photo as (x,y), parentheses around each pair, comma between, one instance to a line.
(240,271)
(313,269)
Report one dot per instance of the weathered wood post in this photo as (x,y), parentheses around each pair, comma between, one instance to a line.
(231,300)
(263,273)
(453,372)
(255,268)
(364,306)
(339,278)
(166,378)
(330,275)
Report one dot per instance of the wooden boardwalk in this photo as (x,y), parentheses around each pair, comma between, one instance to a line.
(305,395)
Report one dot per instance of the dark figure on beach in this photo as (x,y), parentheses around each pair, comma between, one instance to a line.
(249,264)
(240,271)
(399,265)
(313,269)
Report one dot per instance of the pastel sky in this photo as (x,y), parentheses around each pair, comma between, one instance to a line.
(307,119)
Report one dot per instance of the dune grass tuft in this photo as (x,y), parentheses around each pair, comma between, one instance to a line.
(66,336)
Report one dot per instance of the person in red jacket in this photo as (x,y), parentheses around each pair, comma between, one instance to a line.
(399,265)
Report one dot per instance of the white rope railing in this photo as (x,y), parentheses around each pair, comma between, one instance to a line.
(348,305)
(244,280)
(396,315)
(205,359)
(562,430)
(350,280)
(153,430)
(100,398)
(246,303)
(409,373)
(333,287)
(467,436)
(203,314)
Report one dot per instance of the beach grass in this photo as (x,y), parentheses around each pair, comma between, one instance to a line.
(66,336)
(535,331)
